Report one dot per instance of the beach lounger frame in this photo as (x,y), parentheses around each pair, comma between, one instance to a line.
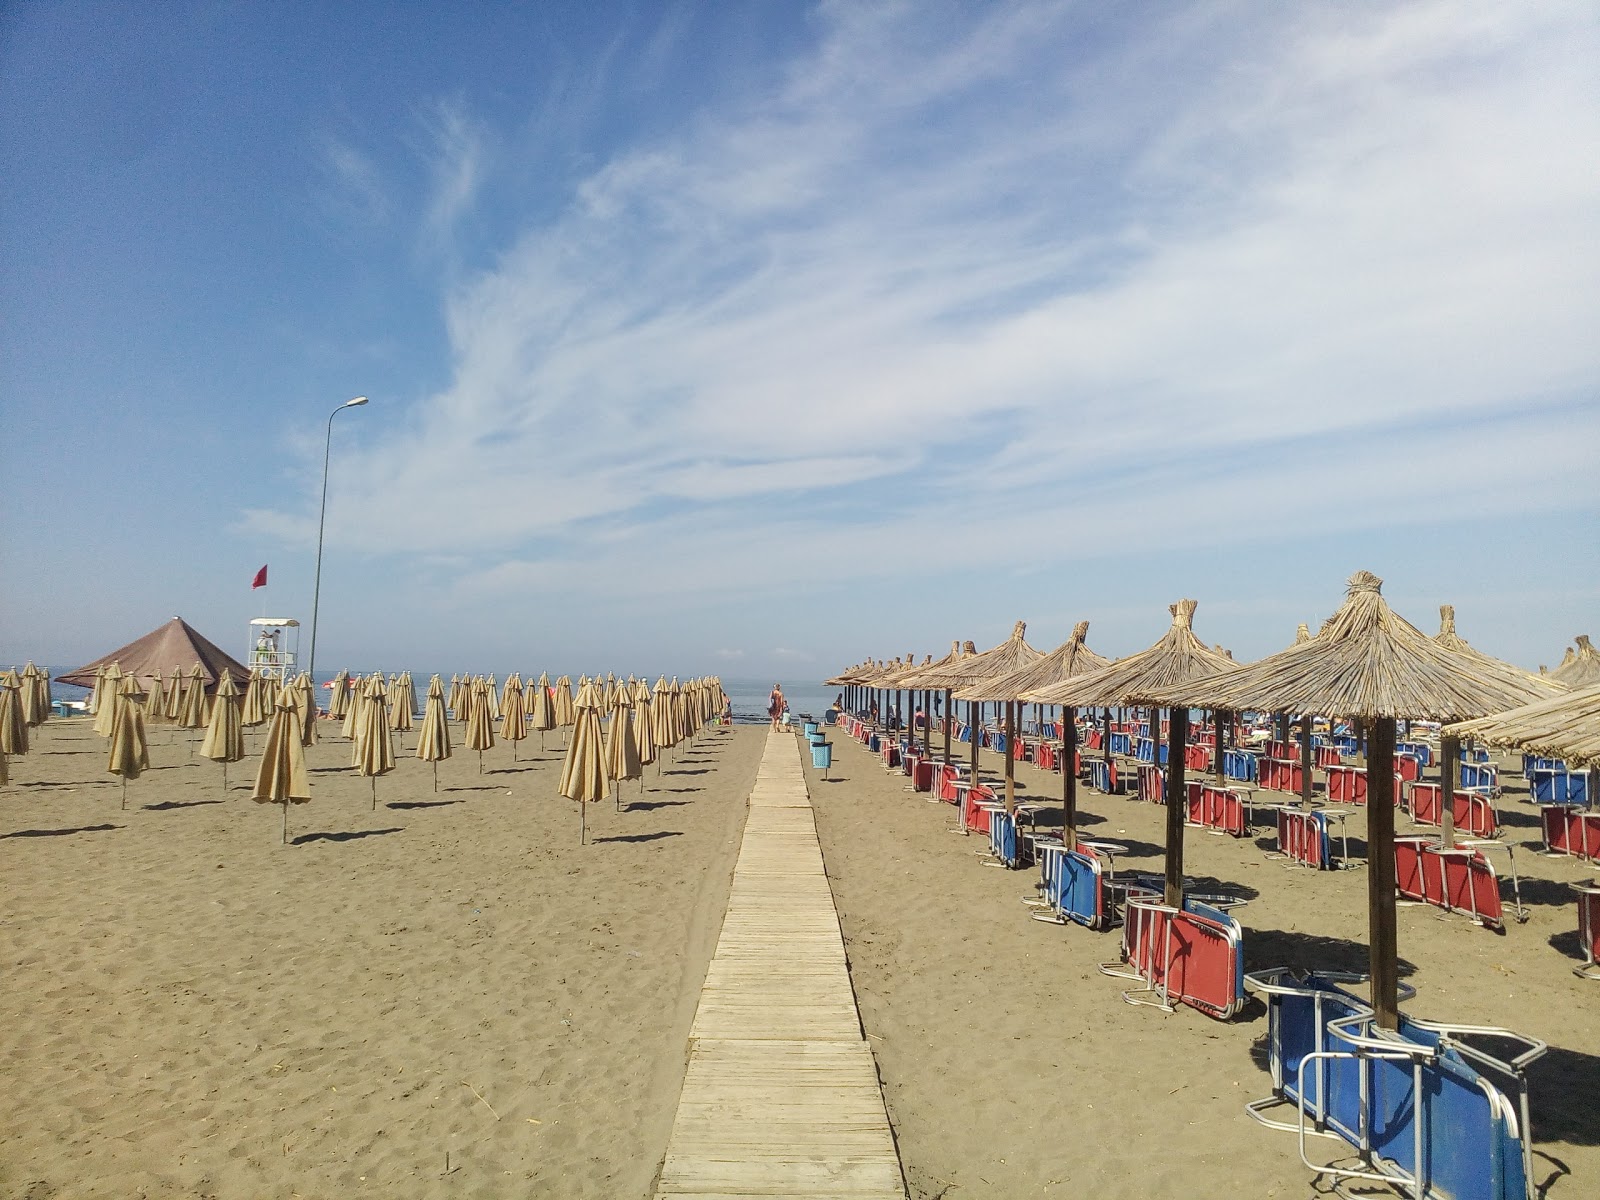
(1588,929)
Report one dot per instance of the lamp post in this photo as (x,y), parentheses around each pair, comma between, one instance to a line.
(322,520)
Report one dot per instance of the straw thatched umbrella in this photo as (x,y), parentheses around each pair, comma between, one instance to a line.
(542,713)
(1566,726)
(108,701)
(13,726)
(1365,662)
(130,751)
(986,680)
(224,740)
(480,725)
(1010,655)
(1176,658)
(1580,669)
(433,743)
(374,744)
(583,772)
(282,778)
(622,747)
(513,717)
(1067,661)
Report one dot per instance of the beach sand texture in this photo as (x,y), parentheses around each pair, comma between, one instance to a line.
(193,1009)
(1012,1067)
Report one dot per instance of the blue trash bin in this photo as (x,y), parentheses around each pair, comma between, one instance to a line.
(822,756)
(810,728)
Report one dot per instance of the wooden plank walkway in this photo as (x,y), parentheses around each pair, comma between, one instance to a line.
(781,1098)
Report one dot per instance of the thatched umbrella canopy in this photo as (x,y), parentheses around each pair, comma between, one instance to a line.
(1565,726)
(1488,664)
(1365,662)
(1176,658)
(1581,669)
(1067,661)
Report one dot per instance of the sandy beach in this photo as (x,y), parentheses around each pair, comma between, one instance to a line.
(193,1009)
(1012,1067)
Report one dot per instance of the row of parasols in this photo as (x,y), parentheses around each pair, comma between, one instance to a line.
(1366,663)
(619,728)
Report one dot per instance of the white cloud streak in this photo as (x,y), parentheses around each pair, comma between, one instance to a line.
(944,264)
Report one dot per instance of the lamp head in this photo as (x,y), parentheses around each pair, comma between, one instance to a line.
(359,400)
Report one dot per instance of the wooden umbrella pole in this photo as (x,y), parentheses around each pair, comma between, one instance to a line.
(1011,756)
(286,822)
(480,762)
(436,775)
(583,823)
(1305,762)
(947,724)
(374,793)
(1381,931)
(1177,805)
(1069,778)
(124,791)
(1449,772)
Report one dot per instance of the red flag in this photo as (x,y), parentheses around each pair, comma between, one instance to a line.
(260,580)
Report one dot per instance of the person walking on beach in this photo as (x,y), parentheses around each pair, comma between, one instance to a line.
(776,704)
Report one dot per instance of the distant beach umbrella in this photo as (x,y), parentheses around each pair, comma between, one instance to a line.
(192,712)
(35,701)
(433,743)
(175,696)
(108,701)
(480,725)
(98,693)
(542,712)
(402,703)
(583,772)
(13,729)
(457,703)
(155,701)
(352,715)
(282,778)
(622,748)
(339,695)
(130,752)
(1579,669)
(566,714)
(304,698)
(661,721)
(1565,727)
(493,696)
(513,718)
(253,711)
(374,744)
(224,740)
(642,728)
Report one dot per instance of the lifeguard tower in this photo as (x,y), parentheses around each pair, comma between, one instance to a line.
(274,647)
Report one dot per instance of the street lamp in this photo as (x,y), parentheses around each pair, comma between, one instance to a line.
(322,520)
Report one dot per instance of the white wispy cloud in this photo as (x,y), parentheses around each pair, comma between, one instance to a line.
(940,264)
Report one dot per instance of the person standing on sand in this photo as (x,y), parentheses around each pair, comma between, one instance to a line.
(776,704)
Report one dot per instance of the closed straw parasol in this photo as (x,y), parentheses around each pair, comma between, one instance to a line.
(130,752)
(155,700)
(175,696)
(374,744)
(13,727)
(642,727)
(480,725)
(562,699)
(583,772)
(192,711)
(1370,663)
(99,694)
(513,717)
(253,711)
(661,721)
(339,695)
(402,703)
(542,712)
(622,748)
(493,696)
(107,711)
(1581,669)
(35,695)
(433,743)
(458,698)
(282,778)
(224,740)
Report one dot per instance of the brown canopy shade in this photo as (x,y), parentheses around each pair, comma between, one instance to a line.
(176,642)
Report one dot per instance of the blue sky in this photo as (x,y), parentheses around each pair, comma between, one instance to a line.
(758,338)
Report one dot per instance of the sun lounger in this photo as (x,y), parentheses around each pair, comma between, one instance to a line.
(1472,813)
(1193,955)
(1281,774)
(1103,776)
(1557,785)
(1588,929)
(1429,1108)
(1241,766)
(1482,777)
(1460,879)
(1571,830)
(1421,751)
(1304,837)
(1221,810)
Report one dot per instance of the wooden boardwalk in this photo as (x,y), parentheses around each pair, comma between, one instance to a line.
(781,1098)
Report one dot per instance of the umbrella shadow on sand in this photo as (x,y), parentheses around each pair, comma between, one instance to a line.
(652,805)
(471,787)
(640,837)
(59,832)
(348,835)
(421,803)
(169,805)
